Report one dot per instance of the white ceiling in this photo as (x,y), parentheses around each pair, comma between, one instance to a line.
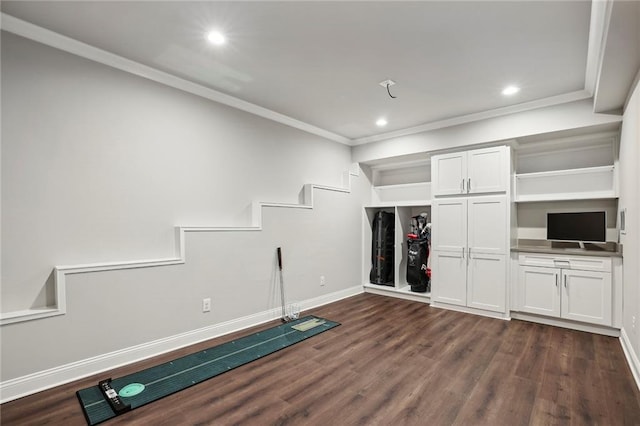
(320,62)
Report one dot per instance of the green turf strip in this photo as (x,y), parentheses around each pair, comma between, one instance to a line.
(173,376)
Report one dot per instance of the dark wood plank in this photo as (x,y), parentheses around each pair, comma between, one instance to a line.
(500,397)
(533,353)
(390,362)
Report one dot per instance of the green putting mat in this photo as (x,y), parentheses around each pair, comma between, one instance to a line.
(149,385)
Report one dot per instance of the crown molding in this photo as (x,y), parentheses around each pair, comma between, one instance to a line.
(598,29)
(75,47)
(597,36)
(463,119)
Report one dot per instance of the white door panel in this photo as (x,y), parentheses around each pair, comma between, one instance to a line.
(487,224)
(449,172)
(449,231)
(486,170)
(487,282)
(586,296)
(449,278)
(539,290)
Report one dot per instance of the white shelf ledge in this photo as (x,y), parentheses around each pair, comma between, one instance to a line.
(29,314)
(574,184)
(400,292)
(401,193)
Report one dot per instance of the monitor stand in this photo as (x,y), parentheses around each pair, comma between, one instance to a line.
(578,245)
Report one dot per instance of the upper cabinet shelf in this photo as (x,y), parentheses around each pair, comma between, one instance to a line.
(402,194)
(573,184)
(578,167)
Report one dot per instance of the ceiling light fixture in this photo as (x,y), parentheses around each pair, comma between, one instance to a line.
(381,122)
(217,38)
(510,90)
(387,83)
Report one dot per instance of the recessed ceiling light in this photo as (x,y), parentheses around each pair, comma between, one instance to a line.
(510,90)
(217,38)
(381,122)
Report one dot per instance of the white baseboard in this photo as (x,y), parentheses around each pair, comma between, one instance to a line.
(631,355)
(331,297)
(468,310)
(46,379)
(573,325)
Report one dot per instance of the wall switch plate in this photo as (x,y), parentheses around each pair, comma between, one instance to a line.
(322,281)
(206,305)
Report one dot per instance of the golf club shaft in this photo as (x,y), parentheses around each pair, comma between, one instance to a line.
(284,316)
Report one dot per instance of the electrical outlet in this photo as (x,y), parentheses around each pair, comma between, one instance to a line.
(206,305)
(322,281)
(633,322)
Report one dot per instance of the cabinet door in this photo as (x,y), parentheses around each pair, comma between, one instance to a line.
(449,278)
(586,296)
(449,232)
(487,225)
(449,173)
(487,282)
(487,170)
(539,290)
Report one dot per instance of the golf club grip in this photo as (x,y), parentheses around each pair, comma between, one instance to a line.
(279,258)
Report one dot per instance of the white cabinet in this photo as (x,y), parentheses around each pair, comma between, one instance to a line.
(559,289)
(469,247)
(449,173)
(539,290)
(449,232)
(586,296)
(470,172)
(487,282)
(449,277)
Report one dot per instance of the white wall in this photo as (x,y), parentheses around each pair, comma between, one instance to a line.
(99,165)
(630,200)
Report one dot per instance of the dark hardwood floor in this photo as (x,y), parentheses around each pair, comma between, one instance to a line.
(391,362)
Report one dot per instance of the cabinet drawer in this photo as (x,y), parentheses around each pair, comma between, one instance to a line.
(583,263)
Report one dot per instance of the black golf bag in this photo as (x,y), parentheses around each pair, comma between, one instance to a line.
(382,247)
(418,276)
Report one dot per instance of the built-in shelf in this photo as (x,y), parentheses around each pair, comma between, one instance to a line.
(402,193)
(392,204)
(403,212)
(575,184)
(401,292)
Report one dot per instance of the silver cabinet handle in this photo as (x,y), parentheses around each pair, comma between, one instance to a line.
(468,185)
(556,280)
(565,281)
(463,252)
(462,184)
